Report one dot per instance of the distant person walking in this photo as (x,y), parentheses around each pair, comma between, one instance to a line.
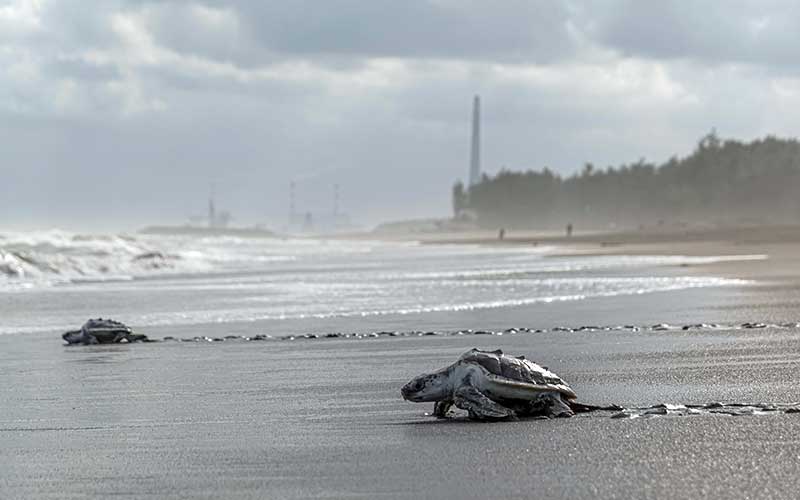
(569,229)
(501,234)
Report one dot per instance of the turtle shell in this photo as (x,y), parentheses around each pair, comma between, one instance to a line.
(518,369)
(105,330)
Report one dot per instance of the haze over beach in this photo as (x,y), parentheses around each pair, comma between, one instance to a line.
(293,209)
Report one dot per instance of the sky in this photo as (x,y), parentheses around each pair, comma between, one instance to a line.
(120,113)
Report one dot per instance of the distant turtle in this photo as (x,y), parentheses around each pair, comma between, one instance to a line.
(491,385)
(103,331)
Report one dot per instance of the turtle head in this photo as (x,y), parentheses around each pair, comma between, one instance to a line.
(73,337)
(428,387)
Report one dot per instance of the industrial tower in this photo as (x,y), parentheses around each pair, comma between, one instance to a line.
(475,154)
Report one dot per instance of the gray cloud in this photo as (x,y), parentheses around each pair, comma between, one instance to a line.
(156,100)
(81,69)
(744,31)
(337,30)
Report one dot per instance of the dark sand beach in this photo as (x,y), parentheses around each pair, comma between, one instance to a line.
(234,236)
(324,418)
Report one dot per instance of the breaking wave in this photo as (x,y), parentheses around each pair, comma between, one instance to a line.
(52,257)
(47,258)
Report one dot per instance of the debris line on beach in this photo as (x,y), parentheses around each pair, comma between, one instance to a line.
(659,327)
(732,409)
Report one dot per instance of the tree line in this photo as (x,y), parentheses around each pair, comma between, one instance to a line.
(719,182)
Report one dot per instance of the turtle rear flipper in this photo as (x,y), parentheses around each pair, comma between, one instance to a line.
(556,406)
(546,405)
(584,408)
(137,337)
(479,406)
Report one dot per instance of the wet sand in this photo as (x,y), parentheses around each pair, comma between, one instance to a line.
(324,418)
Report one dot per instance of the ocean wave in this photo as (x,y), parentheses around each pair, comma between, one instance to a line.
(535,263)
(53,257)
(359,307)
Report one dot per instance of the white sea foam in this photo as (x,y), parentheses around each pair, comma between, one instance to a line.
(362,304)
(46,258)
(52,257)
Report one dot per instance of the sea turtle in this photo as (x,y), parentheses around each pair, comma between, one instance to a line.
(103,331)
(491,385)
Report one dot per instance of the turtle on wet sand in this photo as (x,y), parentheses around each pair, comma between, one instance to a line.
(103,331)
(491,385)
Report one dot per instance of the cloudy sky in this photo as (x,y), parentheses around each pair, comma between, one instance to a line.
(117,113)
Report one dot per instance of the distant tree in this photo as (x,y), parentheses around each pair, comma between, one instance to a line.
(710,140)
(719,181)
(459,198)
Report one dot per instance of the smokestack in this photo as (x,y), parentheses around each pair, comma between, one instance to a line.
(475,154)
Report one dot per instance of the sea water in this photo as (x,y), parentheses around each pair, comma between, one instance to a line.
(54,280)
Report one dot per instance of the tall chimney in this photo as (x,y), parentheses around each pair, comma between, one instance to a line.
(475,154)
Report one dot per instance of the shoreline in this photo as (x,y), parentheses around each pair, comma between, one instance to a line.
(780,243)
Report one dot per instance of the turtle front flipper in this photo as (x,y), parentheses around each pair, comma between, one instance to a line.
(479,406)
(441,408)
